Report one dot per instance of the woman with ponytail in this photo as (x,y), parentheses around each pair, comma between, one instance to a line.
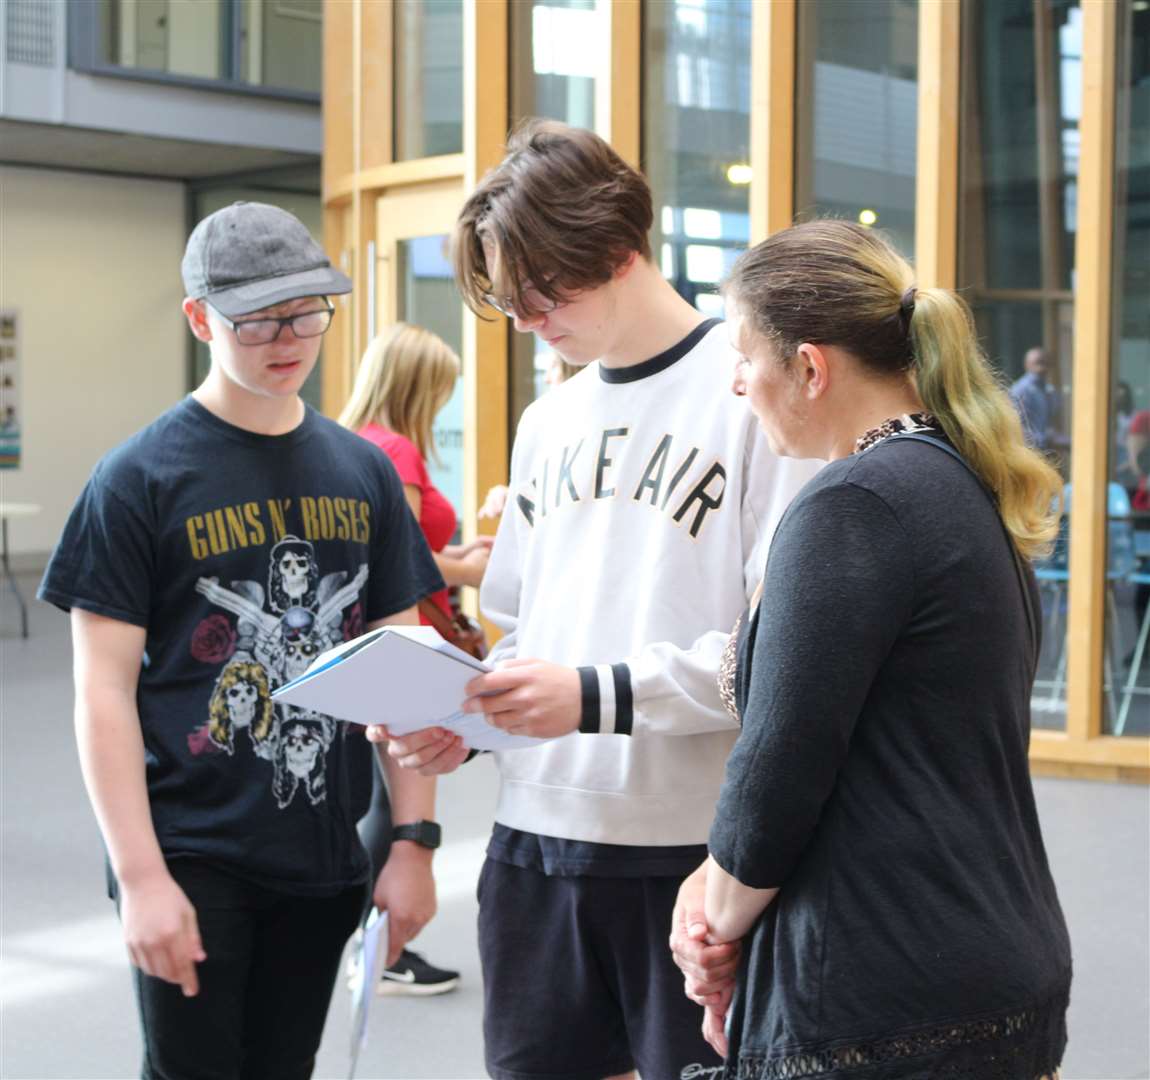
(877,901)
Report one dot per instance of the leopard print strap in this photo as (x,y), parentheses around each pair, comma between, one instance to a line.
(729,661)
(919,421)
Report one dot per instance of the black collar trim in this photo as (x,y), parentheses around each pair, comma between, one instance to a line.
(664,360)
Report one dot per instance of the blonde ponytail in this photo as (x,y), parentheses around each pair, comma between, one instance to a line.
(405,377)
(957,385)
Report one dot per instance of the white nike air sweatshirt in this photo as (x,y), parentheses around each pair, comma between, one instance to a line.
(642,504)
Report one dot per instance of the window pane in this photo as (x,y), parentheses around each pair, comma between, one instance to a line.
(856,113)
(696,138)
(281,44)
(428,298)
(1018,185)
(557,60)
(428,78)
(277,44)
(557,52)
(166,35)
(1127,653)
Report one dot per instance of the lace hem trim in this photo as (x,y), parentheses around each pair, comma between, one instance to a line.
(1002,1045)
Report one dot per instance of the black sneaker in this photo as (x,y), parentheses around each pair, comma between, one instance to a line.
(414,976)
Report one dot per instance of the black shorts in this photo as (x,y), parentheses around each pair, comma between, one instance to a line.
(578,979)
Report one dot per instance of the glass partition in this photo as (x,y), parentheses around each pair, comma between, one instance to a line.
(1127,710)
(557,68)
(1021,101)
(696,139)
(557,55)
(428,78)
(428,298)
(856,114)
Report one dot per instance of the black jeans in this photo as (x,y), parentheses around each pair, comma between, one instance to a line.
(264,988)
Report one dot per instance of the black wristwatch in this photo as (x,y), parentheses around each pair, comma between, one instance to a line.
(426,834)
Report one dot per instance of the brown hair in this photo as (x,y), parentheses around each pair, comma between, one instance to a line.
(835,283)
(563,211)
(405,377)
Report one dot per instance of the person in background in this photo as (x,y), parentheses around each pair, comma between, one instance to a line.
(1038,402)
(208,560)
(1138,451)
(558,371)
(876,855)
(1123,412)
(405,378)
(1138,456)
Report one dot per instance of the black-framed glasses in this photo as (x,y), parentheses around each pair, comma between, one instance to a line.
(533,300)
(264,331)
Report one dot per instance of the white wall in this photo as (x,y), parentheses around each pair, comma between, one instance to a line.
(92,264)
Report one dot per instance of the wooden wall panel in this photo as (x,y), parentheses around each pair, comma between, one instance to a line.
(338,155)
(936,184)
(1092,326)
(772,117)
(485,341)
(377,84)
(622,126)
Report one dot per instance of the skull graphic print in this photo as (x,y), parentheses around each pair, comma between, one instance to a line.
(278,633)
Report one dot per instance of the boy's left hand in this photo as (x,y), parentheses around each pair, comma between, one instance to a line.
(405,889)
(528,697)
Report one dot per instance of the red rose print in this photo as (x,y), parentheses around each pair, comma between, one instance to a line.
(200,742)
(214,640)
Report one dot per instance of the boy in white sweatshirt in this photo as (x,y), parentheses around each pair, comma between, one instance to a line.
(642,501)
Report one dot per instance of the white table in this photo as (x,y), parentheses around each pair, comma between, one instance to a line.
(14,510)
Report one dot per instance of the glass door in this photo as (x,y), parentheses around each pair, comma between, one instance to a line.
(415,284)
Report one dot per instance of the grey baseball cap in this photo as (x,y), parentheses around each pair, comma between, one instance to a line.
(250,255)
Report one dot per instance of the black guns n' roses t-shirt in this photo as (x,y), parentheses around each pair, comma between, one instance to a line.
(244,556)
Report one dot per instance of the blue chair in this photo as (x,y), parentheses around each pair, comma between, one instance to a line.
(1053,575)
(1139,576)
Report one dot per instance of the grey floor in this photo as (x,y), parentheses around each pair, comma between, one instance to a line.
(67,1010)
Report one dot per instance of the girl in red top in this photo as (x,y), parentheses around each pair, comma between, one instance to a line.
(405,377)
(1138,447)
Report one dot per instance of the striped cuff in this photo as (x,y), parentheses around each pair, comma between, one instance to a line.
(607,704)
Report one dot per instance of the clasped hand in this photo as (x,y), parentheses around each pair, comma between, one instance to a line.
(521,697)
(709,966)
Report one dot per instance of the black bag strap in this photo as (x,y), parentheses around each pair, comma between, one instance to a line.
(1020,570)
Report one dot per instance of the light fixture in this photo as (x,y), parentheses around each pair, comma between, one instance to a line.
(867,218)
(739,173)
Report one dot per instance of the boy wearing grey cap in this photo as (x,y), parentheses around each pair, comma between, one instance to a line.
(208,560)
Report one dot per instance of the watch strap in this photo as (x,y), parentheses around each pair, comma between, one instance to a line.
(427,834)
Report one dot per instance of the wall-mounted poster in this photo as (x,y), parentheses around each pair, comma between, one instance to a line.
(11,413)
